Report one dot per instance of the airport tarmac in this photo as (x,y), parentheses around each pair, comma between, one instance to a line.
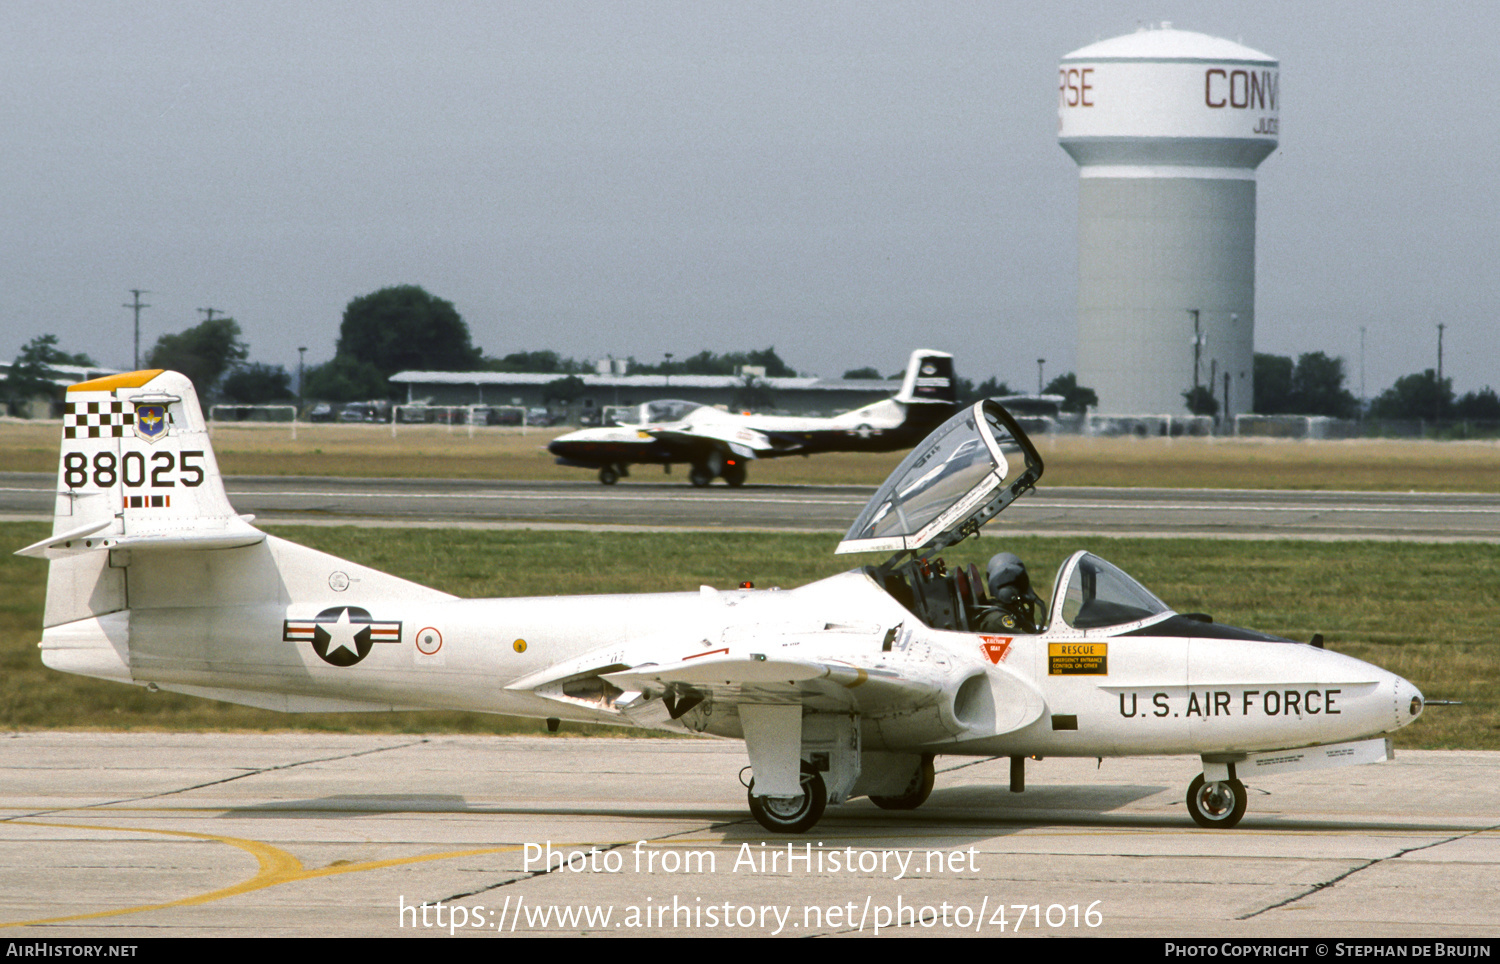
(123,835)
(1218,513)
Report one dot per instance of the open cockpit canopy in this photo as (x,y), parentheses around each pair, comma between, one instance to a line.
(657,412)
(961,476)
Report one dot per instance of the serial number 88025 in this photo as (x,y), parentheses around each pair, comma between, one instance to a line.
(164,472)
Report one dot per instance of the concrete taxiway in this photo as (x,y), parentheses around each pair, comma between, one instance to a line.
(1049,511)
(133,834)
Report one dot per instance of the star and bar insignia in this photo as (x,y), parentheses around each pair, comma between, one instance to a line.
(342,635)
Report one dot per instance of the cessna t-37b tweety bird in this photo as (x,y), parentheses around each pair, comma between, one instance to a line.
(718,444)
(843,688)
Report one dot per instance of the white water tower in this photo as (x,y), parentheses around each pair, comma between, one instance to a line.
(1167,128)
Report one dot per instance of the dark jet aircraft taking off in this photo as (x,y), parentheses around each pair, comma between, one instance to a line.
(718,444)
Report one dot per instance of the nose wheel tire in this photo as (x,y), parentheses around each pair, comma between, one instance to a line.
(916,792)
(1217,806)
(791,814)
(700,476)
(608,476)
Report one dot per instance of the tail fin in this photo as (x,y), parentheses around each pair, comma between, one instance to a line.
(929,378)
(137,471)
(132,595)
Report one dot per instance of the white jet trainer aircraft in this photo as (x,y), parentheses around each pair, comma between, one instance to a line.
(719,444)
(843,688)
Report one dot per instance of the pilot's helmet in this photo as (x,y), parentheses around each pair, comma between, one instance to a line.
(1007,577)
(1006,596)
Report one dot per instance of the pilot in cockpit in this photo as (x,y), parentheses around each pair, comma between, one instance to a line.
(1013,604)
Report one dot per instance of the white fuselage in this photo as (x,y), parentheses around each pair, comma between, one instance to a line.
(211,624)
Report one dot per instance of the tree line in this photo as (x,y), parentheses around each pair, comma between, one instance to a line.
(405,328)
(1314,385)
(400,328)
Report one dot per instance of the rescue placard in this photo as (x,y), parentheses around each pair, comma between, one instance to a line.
(1077,659)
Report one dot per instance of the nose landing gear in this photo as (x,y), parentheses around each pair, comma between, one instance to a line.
(1218,805)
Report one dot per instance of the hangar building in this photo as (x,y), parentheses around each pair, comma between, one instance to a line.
(1167,127)
(794,396)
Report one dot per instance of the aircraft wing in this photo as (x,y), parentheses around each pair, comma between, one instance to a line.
(907,692)
(747,443)
(910,699)
(751,678)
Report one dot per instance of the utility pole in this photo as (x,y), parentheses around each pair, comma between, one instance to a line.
(1437,396)
(667,378)
(208,313)
(1039,363)
(1197,346)
(301,356)
(137,305)
(1361,371)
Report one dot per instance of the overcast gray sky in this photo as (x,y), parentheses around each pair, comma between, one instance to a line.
(844,181)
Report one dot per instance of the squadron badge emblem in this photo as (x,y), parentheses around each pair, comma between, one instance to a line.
(151,422)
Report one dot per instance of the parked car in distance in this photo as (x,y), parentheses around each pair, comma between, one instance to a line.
(365,412)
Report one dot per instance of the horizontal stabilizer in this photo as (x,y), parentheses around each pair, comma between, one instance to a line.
(62,544)
(93,537)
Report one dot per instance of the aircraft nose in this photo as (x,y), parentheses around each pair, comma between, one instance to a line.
(1408,702)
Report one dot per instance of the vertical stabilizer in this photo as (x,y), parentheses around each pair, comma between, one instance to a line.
(137,470)
(154,578)
(929,378)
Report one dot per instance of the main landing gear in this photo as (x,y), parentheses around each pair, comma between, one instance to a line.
(792,814)
(1218,805)
(916,792)
(733,473)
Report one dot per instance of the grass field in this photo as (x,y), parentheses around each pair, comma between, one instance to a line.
(432,451)
(1424,611)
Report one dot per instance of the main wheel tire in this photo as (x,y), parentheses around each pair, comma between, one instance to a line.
(1216,806)
(735,475)
(916,792)
(608,476)
(791,814)
(700,476)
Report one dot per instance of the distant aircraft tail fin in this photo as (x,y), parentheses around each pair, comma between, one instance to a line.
(929,378)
